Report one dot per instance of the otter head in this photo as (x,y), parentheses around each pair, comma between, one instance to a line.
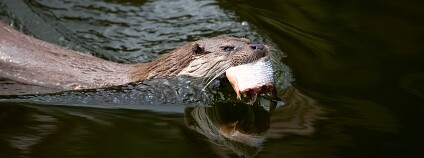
(247,66)
(213,56)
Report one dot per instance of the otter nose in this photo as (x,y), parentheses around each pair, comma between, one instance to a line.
(257,46)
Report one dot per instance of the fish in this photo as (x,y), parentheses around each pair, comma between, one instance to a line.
(251,79)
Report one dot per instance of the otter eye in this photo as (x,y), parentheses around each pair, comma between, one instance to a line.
(228,48)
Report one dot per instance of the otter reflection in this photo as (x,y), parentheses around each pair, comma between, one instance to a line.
(244,128)
(238,126)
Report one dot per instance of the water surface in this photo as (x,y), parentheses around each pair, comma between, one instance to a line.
(357,69)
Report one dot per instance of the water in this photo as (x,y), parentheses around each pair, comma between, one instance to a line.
(357,88)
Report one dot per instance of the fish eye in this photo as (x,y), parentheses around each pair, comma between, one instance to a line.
(228,48)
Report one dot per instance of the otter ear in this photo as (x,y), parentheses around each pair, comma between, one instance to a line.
(197,49)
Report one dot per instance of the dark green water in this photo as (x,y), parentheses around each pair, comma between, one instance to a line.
(358,70)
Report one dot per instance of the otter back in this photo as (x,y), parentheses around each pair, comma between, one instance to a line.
(31,61)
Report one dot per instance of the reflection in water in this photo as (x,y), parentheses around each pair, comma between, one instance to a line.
(239,127)
(243,128)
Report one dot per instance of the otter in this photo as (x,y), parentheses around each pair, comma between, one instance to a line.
(31,61)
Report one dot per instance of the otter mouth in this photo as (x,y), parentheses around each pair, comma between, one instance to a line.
(249,80)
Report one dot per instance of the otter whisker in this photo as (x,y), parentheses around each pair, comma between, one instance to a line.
(219,66)
(213,78)
(215,68)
